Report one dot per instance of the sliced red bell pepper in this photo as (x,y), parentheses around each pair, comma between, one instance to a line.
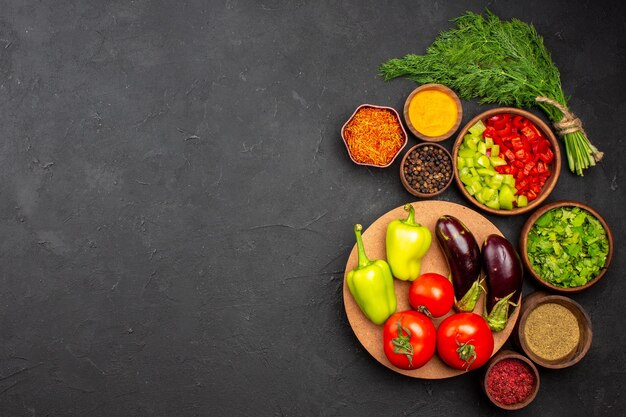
(541,167)
(518,122)
(521,185)
(521,155)
(516,144)
(525,149)
(547,156)
(534,128)
(500,121)
(528,167)
(536,188)
(529,133)
(503,127)
(490,132)
(494,119)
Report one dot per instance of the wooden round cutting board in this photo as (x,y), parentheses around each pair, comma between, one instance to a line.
(426,213)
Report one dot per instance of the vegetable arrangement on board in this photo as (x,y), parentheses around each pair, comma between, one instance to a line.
(464,340)
(507,160)
(499,62)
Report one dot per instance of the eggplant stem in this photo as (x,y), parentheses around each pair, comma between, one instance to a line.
(469,300)
(499,314)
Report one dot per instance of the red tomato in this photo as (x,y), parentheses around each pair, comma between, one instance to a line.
(464,341)
(409,339)
(432,294)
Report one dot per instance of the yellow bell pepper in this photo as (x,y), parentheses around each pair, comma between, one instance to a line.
(407,243)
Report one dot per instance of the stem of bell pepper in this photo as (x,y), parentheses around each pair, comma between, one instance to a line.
(362,257)
(410,220)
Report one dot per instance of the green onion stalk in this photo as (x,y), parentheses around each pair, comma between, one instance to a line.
(503,62)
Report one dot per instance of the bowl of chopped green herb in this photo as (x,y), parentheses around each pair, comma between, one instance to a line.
(566,246)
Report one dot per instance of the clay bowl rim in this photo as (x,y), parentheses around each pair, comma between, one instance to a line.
(555,165)
(395,112)
(510,354)
(523,241)
(583,321)
(405,182)
(444,89)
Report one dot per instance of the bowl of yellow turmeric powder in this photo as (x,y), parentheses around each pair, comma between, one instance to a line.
(433,112)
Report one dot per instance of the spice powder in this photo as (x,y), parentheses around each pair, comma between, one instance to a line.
(374,136)
(510,381)
(433,112)
(551,331)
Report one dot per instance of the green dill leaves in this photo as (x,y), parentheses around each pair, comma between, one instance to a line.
(567,246)
(500,62)
(496,61)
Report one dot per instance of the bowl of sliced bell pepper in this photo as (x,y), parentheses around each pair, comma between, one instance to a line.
(507,161)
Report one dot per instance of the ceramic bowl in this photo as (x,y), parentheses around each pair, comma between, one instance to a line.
(404,180)
(448,92)
(554,166)
(538,298)
(509,354)
(397,116)
(523,242)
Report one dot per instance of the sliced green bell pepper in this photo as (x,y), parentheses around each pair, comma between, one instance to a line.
(371,284)
(407,242)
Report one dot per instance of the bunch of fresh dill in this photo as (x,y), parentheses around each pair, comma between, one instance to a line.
(502,62)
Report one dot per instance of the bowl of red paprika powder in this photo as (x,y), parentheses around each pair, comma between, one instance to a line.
(511,381)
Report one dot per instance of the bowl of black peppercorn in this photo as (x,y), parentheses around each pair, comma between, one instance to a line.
(426,170)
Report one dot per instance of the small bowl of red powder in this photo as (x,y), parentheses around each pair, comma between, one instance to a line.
(374,135)
(511,381)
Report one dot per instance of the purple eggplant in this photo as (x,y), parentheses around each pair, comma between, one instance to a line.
(505,276)
(463,256)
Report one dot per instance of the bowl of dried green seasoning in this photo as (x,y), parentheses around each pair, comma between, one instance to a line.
(554,331)
(566,246)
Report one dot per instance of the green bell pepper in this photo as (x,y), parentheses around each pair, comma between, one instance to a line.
(371,285)
(407,243)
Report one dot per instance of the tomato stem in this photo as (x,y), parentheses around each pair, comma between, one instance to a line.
(402,343)
(466,353)
(424,310)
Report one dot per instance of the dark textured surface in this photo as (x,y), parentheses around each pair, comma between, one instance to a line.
(177,205)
